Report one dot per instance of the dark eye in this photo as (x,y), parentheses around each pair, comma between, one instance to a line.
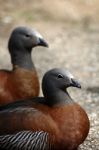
(60,76)
(27,35)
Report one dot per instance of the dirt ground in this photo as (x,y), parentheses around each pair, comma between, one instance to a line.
(73,39)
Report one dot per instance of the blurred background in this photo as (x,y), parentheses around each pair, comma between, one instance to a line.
(71,27)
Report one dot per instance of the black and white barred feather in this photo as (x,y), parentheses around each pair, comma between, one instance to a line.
(25,140)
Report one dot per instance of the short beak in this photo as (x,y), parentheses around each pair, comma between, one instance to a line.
(75,83)
(42,42)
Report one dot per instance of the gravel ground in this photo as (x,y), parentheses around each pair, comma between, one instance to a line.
(77,49)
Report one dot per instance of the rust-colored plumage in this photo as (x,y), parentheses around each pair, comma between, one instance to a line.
(22,82)
(18,84)
(62,123)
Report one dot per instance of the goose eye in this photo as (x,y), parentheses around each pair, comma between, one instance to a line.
(60,76)
(27,35)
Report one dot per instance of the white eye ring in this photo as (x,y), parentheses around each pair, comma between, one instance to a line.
(60,76)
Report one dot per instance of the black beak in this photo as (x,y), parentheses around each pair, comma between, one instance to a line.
(75,83)
(42,42)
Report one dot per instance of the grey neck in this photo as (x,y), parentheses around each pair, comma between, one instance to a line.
(59,97)
(22,59)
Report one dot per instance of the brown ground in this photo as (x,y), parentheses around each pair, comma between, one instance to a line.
(72,31)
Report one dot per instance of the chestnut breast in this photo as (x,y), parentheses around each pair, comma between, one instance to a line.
(27,81)
(72,125)
(18,84)
(72,122)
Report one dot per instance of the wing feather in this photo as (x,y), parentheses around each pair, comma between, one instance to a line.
(25,140)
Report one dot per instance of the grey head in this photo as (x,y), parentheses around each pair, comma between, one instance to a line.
(25,38)
(20,45)
(56,81)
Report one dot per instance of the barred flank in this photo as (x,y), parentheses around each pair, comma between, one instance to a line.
(25,140)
